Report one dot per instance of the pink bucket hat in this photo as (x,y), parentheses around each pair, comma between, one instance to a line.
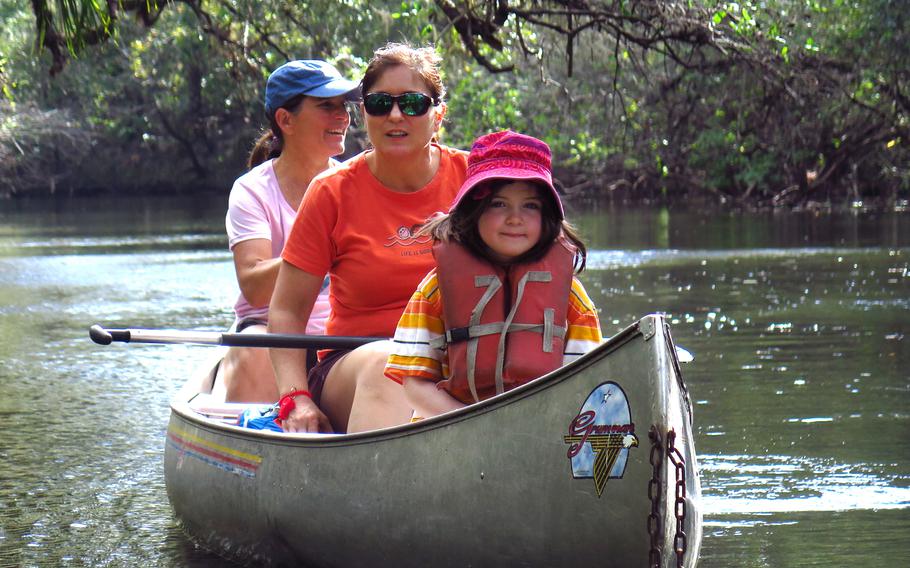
(508,155)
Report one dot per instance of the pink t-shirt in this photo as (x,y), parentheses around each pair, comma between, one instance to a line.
(258,210)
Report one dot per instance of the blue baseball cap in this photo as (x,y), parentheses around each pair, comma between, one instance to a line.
(306,77)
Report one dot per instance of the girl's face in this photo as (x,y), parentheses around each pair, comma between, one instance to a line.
(397,134)
(320,124)
(511,223)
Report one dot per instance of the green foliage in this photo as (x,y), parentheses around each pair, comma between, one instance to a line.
(789,98)
(173,108)
(731,160)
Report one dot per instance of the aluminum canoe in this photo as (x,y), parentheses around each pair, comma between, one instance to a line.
(593,464)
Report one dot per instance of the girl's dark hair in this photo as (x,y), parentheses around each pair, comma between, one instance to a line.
(461,226)
(271,142)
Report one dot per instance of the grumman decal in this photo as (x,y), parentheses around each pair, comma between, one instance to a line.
(600,436)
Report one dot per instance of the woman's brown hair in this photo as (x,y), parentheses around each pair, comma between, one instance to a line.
(422,60)
(270,143)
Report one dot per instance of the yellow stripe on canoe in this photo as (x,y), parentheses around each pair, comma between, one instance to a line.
(212,445)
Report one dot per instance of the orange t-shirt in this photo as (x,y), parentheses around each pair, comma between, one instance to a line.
(360,232)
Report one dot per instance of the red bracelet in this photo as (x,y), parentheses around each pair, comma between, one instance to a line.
(287,404)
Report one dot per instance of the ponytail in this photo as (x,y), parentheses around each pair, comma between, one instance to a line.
(270,143)
(267,147)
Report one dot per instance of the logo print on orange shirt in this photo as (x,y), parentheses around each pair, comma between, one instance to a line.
(405,237)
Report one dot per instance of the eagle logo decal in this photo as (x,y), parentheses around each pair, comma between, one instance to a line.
(601,435)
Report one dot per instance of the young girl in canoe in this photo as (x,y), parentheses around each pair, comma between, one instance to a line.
(502,306)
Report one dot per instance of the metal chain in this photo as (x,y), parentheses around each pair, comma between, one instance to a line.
(680,544)
(676,458)
(654,494)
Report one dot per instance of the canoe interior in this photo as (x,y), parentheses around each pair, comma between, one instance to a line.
(554,471)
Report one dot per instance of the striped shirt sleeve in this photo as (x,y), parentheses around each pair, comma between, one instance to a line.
(583,333)
(421,322)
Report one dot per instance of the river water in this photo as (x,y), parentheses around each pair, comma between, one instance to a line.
(799,323)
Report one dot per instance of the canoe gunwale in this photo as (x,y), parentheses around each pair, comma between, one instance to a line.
(678,372)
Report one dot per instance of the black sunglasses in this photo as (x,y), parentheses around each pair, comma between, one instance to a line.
(411,104)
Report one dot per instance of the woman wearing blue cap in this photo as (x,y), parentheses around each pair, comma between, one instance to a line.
(305,102)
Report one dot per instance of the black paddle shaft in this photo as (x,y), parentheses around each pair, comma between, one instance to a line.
(104,336)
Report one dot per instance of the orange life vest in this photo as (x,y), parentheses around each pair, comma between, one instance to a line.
(504,326)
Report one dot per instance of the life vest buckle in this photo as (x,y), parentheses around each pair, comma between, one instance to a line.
(458,334)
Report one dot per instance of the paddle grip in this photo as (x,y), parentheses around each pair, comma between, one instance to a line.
(103,336)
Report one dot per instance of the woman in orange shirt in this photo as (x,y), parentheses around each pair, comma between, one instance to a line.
(357,224)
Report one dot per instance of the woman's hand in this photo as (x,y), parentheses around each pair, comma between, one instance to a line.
(306,417)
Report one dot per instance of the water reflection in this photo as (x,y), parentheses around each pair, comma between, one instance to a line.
(798,324)
(786,484)
(612,226)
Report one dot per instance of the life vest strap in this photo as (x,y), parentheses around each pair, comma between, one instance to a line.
(530,276)
(548,317)
(547,329)
(493,284)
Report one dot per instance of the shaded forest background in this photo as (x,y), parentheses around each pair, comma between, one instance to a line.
(777,102)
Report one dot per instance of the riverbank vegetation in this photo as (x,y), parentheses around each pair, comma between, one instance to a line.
(778,102)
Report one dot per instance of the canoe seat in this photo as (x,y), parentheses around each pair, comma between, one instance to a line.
(214,408)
